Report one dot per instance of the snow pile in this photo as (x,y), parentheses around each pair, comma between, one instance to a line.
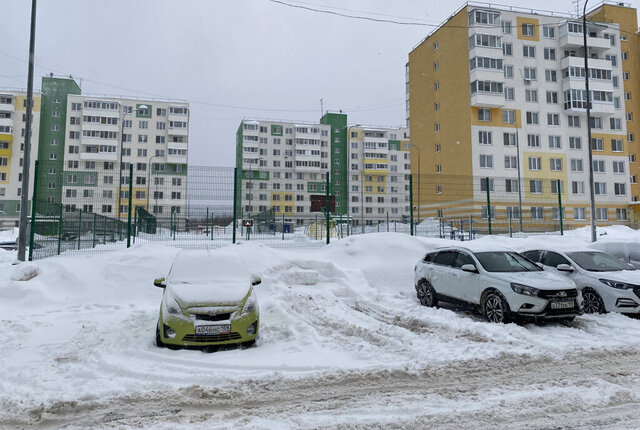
(25,271)
(83,329)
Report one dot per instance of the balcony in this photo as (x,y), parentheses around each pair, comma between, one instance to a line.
(594,63)
(100,127)
(487,99)
(178,145)
(178,131)
(177,159)
(575,41)
(6,122)
(99,156)
(98,141)
(6,107)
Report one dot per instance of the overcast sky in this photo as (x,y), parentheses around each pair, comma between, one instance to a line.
(231,58)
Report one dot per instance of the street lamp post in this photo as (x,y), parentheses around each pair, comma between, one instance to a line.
(419,157)
(592,196)
(124,114)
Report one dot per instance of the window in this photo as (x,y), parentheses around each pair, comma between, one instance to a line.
(555,142)
(511,185)
(618,167)
(574,121)
(549,54)
(598,166)
(555,164)
(485,214)
(508,71)
(507,49)
(600,188)
(484,114)
(579,213)
(596,144)
(530,74)
(509,93)
(577,187)
(532,118)
(528,30)
(509,139)
(531,96)
(554,187)
(553,119)
(625,76)
(602,214)
(576,165)
(528,51)
(510,162)
(615,123)
(537,212)
(436,106)
(436,86)
(632,158)
(437,126)
(625,55)
(483,184)
(552,97)
(534,163)
(621,214)
(484,137)
(435,45)
(486,161)
(506,26)
(550,75)
(616,145)
(436,65)
(548,32)
(533,140)
(509,116)
(620,189)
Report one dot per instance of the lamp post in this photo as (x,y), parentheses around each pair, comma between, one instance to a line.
(124,114)
(515,123)
(419,156)
(592,197)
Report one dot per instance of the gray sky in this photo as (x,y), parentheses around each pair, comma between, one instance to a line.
(231,58)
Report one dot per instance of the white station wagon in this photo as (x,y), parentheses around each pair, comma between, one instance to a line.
(500,283)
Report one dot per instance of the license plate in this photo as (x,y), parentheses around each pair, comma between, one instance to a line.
(213,329)
(566,304)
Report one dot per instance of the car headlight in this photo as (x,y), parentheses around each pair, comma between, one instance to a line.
(617,284)
(250,304)
(524,289)
(171,305)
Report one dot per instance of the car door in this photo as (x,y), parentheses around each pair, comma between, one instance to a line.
(440,272)
(464,285)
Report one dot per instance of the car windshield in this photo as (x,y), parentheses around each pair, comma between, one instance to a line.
(505,261)
(598,262)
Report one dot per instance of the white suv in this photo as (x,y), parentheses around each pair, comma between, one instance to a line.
(607,283)
(500,283)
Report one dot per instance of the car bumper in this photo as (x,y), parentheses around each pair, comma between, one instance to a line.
(537,307)
(181,332)
(625,301)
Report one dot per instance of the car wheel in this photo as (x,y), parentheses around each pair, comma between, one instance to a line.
(159,342)
(426,294)
(592,302)
(495,308)
(249,343)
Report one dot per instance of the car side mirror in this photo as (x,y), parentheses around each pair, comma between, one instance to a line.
(564,268)
(160,282)
(469,268)
(255,280)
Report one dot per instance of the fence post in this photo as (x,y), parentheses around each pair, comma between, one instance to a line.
(327,208)
(93,240)
(104,230)
(283,225)
(235,208)
(206,223)
(470,227)
(248,228)
(316,226)
(560,208)
(488,204)
(411,203)
(129,211)
(60,229)
(510,232)
(33,210)
(79,226)
(387,221)
(211,228)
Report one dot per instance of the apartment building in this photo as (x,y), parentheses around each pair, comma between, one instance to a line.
(497,92)
(284,165)
(13,112)
(90,142)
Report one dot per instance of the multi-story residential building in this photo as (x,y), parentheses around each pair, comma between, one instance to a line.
(93,141)
(497,92)
(13,108)
(284,166)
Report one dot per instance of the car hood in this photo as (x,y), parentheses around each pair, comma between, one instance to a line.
(541,280)
(219,294)
(628,276)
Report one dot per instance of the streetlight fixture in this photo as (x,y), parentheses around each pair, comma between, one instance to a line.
(592,196)
(419,157)
(124,114)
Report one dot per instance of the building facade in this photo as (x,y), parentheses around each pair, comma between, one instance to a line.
(284,167)
(499,93)
(13,111)
(89,144)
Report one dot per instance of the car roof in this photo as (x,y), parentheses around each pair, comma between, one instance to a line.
(473,248)
(215,265)
(564,249)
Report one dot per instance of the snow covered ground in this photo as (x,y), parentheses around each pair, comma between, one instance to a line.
(344,343)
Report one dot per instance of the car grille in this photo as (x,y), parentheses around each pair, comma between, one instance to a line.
(211,337)
(219,317)
(547,294)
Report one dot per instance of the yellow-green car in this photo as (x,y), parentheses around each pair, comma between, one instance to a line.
(208,301)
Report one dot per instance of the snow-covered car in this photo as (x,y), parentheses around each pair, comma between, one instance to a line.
(499,283)
(208,300)
(607,283)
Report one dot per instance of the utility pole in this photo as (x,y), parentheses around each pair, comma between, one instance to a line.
(24,198)
(592,197)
